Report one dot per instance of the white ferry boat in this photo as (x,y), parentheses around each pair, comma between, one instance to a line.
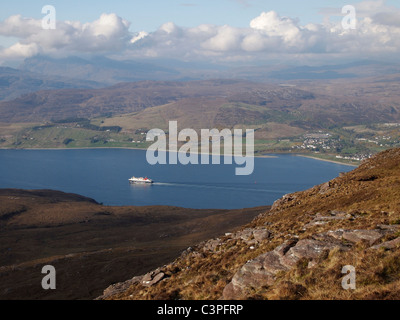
(140,180)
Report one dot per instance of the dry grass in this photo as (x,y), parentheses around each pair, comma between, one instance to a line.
(377,277)
(370,193)
(93,246)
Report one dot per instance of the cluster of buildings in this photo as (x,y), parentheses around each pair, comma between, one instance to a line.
(325,141)
(318,141)
(357,157)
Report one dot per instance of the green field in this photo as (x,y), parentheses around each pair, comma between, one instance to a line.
(68,137)
(270,137)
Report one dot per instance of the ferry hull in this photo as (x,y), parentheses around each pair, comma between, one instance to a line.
(141,180)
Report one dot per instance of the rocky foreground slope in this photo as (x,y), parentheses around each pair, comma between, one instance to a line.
(298,249)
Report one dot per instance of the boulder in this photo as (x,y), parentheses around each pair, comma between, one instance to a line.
(388,228)
(324,188)
(392,244)
(320,219)
(186,252)
(152,278)
(262,270)
(371,236)
(252,235)
(261,234)
(254,274)
(120,287)
(211,245)
(246,234)
(284,201)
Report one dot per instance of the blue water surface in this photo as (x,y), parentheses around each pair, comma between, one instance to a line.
(102,174)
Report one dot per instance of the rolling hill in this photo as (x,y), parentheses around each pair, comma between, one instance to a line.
(99,69)
(309,105)
(92,245)
(359,116)
(296,250)
(129,97)
(14,83)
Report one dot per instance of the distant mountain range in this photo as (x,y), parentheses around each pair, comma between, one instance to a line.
(14,83)
(98,69)
(217,103)
(47,73)
(329,98)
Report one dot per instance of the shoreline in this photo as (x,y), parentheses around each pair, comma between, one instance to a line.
(144,149)
(327,160)
(122,148)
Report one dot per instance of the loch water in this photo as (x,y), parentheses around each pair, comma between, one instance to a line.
(102,174)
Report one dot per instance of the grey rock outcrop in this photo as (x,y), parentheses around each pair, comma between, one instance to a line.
(392,244)
(320,219)
(287,200)
(252,236)
(120,287)
(212,245)
(152,278)
(146,280)
(371,236)
(262,270)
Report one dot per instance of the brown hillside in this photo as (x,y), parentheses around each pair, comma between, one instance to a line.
(217,102)
(91,245)
(119,99)
(297,249)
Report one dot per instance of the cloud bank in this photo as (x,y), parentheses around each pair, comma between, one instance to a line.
(268,36)
(109,33)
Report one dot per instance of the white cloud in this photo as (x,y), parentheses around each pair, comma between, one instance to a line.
(273,25)
(17,26)
(108,33)
(108,26)
(226,39)
(254,42)
(268,36)
(139,36)
(169,28)
(388,18)
(19,50)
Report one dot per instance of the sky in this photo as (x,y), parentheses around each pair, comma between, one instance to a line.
(224,31)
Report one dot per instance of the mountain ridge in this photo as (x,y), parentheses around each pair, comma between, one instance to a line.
(15,82)
(98,69)
(297,249)
(314,106)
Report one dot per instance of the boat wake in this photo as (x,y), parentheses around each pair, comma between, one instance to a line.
(208,186)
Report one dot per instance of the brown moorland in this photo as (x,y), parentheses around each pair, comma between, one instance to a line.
(91,245)
(297,249)
(305,104)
